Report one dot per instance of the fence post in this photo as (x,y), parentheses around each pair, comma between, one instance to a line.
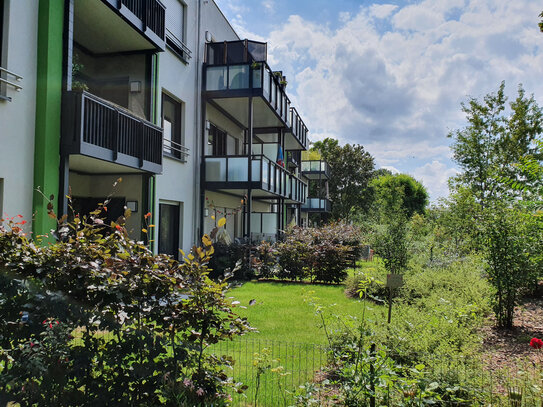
(372,376)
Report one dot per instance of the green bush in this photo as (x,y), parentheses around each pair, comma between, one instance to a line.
(319,254)
(98,318)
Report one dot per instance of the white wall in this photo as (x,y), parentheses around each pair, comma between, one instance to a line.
(179,79)
(17,138)
(180,182)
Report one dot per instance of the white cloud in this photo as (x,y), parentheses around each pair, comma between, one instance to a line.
(434,177)
(269,5)
(392,78)
(382,10)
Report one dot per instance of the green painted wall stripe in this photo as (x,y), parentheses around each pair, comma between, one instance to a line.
(155,115)
(48,109)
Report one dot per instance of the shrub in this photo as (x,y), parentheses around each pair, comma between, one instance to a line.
(97,317)
(320,254)
(508,252)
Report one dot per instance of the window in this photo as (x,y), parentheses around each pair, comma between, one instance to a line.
(173,127)
(176,22)
(216,141)
(169,228)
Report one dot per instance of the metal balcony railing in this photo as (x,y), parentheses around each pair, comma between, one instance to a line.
(4,74)
(176,150)
(97,128)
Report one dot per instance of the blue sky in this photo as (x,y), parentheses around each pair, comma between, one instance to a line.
(391,75)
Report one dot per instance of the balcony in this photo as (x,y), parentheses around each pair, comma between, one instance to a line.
(317,205)
(113,26)
(293,159)
(268,179)
(296,137)
(96,128)
(264,226)
(237,70)
(316,169)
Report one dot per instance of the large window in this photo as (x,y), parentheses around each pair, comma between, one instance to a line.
(172,123)
(169,228)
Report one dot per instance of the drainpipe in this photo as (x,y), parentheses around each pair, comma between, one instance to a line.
(199,131)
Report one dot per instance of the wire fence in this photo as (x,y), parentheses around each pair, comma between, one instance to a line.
(274,372)
(282,374)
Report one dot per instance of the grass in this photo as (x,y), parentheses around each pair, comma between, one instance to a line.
(290,336)
(283,311)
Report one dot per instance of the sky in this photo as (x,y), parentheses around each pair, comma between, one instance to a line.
(391,75)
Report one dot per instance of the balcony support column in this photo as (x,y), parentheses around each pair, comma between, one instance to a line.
(64,184)
(250,131)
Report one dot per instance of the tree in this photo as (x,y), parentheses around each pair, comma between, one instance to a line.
(494,141)
(351,169)
(413,195)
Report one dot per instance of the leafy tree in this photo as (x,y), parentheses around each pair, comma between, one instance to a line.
(351,169)
(390,232)
(493,141)
(414,197)
(507,252)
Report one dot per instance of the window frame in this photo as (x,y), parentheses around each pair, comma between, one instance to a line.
(179,45)
(176,208)
(177,133)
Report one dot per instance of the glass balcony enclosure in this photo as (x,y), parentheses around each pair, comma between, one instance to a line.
(239,69)
(316,169)
(232,172)
(264,226)
(317,205)
(298,130)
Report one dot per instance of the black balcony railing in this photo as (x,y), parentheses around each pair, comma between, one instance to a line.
(148,16)
(317,205)
(97,128)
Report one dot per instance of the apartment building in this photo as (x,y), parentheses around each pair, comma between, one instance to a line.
(162,94)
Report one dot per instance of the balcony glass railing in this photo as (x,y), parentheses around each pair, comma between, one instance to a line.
(316,167)
(298,127)
(241,65)
(317,205)
(236,52)
(266,175)
(264,222)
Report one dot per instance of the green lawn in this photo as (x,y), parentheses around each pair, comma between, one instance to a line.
(289,330)
(281,314)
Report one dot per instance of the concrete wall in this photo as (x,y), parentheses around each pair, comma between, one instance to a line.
(17,138)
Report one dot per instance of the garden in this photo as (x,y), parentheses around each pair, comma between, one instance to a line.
(446,312)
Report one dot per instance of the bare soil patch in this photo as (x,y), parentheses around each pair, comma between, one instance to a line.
(507,348)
